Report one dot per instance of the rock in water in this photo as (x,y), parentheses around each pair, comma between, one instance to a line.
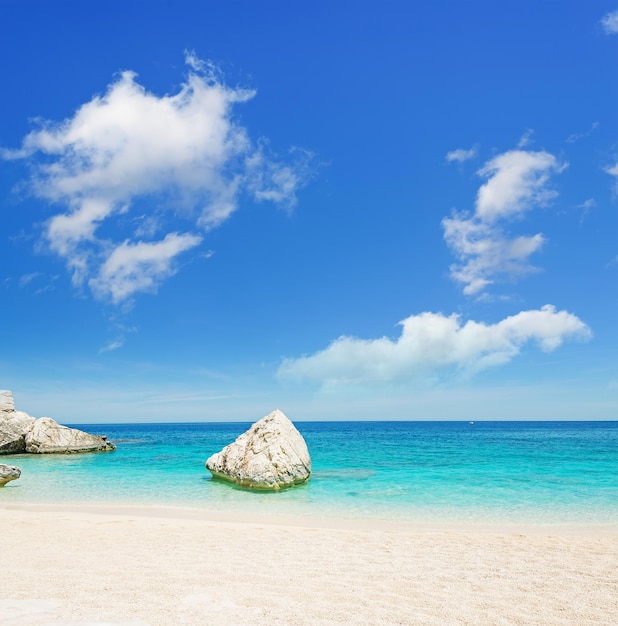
(8,473)
(20,432)
(47,436)
(271,455)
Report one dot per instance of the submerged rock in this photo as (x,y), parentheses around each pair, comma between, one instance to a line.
(8,473)
(20,432)
(271,455)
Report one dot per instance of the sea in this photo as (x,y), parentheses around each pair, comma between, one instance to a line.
(540,473)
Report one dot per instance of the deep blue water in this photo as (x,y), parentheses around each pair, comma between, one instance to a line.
(533,472)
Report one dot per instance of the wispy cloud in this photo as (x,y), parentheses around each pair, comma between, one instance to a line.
(26,279)
(432,341)
(112,345)
(574,137)
(461,155)
(613,171)
(610,22)
(526,139)
(586,206)
(119,335)
(140,266)
(36,277)
(517,181)
(183,155)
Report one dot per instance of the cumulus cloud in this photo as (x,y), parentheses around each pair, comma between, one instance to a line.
(182,156)
(461,155)
(485,253)
(432,341)
(516,182)
(610,23)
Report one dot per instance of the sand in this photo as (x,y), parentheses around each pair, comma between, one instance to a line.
(88,565)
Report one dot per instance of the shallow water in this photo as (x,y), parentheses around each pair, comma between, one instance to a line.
(486,472)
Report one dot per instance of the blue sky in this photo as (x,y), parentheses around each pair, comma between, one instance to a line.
(350,210)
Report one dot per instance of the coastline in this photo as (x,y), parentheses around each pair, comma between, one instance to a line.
(85,564)
(249,517)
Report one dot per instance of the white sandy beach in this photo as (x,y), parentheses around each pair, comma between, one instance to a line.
(86,565)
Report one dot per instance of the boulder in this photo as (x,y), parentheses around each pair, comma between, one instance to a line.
(47,436)
(13,428)
(271,455)
(8,473)
(20,432)
(6,401)
(13,425)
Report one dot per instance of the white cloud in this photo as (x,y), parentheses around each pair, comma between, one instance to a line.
(137,267)
(517,181)
(274,182)
(610,22)
(574,137)
(526,138)
(613,171)
(461,155)
(586,206)
(183,154)
(112,345)
(432,341)
(484,253)
(28,278)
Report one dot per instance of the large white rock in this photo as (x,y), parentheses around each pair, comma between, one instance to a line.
(20,432)
(8,473)
(13,425)
(6,401)
(271,455)
(47,436)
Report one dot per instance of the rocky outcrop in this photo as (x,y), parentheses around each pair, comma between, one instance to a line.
(8,473)
(20,432)
(271,455)
(13,428)
(13,425)
(6,401)
(47,436)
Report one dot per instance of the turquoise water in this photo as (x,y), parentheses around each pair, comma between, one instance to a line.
(486,472)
